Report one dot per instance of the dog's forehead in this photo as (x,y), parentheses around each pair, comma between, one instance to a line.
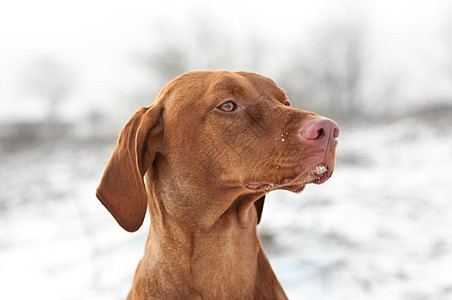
(213,85)
(246,85)
(200,91)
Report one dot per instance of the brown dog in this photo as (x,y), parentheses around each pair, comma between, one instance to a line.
(210,147)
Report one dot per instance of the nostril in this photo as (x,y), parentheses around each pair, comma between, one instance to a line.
(320,133)
(335,132)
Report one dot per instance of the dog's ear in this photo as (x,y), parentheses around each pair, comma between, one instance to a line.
(259,205)
(121,188)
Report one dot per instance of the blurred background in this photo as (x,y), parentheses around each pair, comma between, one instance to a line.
(73,72)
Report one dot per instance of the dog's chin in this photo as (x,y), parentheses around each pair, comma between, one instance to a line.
(317,175)
(294,188)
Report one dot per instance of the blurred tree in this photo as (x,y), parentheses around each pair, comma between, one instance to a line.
(51,82)
(329,75)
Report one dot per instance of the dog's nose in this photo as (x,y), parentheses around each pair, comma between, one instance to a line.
(321,131)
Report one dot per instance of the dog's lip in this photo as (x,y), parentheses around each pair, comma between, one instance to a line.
(323,173)
(259,185)
(318,174)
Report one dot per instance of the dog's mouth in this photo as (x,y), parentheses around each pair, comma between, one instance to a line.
(316,175)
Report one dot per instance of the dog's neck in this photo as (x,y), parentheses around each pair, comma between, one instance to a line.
(207,248)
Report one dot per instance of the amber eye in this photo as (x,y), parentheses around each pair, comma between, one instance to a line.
(228,106)
(287,103)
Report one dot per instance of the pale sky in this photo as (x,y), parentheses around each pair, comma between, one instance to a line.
(99,39)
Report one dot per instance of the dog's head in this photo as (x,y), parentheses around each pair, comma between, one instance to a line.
(220,132)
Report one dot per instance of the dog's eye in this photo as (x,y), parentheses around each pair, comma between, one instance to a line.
(287,103)
(228,106)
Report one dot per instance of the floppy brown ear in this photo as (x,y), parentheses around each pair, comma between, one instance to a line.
(259,205)
(121,189)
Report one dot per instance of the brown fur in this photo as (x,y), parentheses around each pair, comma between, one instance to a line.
(206,174)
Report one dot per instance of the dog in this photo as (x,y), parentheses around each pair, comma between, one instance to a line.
(201,159)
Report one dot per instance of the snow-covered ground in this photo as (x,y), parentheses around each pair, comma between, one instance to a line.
(380,228)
